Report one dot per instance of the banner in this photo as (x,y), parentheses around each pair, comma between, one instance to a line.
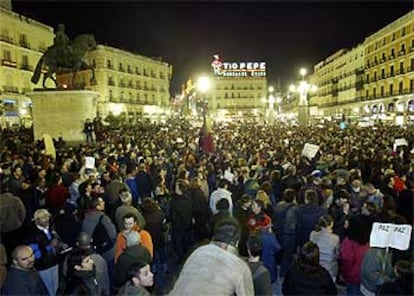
(49,146)
(384,235)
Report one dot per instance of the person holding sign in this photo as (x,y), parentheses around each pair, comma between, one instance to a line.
(376,269)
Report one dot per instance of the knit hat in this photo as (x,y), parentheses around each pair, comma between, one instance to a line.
(132,238)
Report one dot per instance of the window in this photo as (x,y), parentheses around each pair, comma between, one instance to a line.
(401,67)
(402,48)
(375,76)
(23,40)
(94,63)
(400,87)
(391,89)
(367,78)
(411,85)
(6,55)
(392,70)
(25,61)
(109,64)
(366,94)
(121,67)
(382,91)
(392,52)
(382,73)
(403,32)
(393,36)
(374,92)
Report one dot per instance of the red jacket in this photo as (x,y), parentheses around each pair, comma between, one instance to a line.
(351,255)
(56,196)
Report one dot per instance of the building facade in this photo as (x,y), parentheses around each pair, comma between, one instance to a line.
(22,43)
(238,89)
(129,84)
(374,80)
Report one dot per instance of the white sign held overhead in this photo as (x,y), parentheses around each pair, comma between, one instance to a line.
(310,150)
(229,176)
(384,235)
(89,162)
(400,142)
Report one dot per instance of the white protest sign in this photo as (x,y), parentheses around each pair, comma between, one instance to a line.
(384,235)
(229,176)
(400,142)
(310,150)
(89,162)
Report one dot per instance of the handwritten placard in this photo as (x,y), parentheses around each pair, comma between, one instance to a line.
(89,162)
(310,150)
(399,142)
(384,235)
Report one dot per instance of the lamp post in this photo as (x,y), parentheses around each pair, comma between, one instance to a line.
(203,85)
(271,101)
(303,90)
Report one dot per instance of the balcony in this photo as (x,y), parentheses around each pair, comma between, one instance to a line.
(8,63)
(12,89)
(110,66)
(401,52)
(400,71)
(410,69)
(121,69)
(111,83)
(7,39)
(391,57)
(26,67)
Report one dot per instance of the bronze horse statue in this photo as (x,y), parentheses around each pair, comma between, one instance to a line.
(71,57)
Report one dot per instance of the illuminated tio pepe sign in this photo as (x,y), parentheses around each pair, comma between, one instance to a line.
(238,69)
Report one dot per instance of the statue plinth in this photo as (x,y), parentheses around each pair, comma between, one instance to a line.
(303,115)
(62,113)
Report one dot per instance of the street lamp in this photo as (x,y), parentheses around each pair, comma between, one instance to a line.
(203,85)
(303,72)
(303,89)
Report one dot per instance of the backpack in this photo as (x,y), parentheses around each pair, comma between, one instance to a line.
(100,238)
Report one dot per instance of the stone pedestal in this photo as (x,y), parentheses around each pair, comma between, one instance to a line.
(303,115)
(62,113)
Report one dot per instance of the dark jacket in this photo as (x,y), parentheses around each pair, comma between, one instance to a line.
(40,243)
(22,282)
(397,287)
(285,219)
(181,213)
(308,216)
(131,255)
(144,184)
(261,278)
(271,247)
(201,214)
(314,282)
(155,226)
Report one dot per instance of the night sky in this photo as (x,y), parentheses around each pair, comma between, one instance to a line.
(286,35)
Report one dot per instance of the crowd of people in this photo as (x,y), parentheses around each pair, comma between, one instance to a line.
(236,208)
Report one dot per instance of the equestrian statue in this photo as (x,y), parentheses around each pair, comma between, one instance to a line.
(65,55)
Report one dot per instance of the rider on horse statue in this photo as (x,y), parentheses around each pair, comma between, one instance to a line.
(61,42)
